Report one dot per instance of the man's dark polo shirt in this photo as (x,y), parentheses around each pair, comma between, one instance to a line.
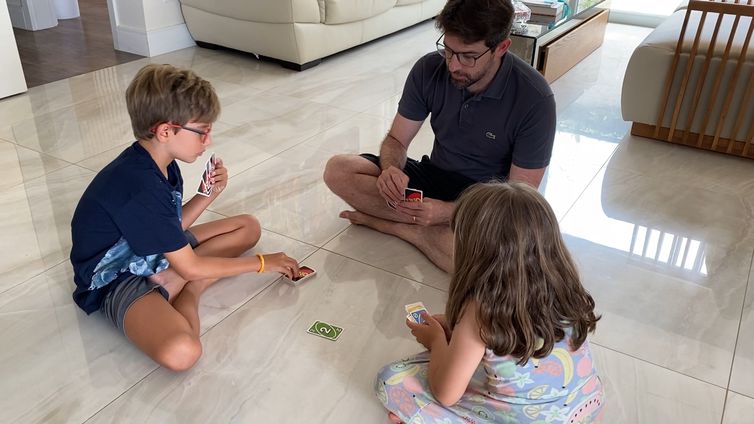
(512,121)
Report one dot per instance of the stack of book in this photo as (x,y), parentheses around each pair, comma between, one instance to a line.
(550,8)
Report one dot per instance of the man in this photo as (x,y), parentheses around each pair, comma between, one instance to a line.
(493,117)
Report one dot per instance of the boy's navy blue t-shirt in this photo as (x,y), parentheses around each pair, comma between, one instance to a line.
(129,199)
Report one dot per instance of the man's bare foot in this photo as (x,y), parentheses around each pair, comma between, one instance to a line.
(357,218)
(170,280)
(394,418)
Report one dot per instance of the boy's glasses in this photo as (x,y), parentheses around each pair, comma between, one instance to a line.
(465,59)
(202,134)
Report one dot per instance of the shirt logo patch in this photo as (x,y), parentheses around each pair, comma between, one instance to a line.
(490,135)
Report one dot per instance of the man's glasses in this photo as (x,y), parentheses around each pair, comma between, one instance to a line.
(465,59)
(202,134)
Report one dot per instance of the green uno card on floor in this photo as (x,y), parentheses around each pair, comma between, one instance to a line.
(323,329)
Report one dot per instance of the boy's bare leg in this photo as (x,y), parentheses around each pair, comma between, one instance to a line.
(169,334)
(354,179)
(435,241)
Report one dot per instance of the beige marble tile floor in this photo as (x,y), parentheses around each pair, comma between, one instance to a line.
(662,235)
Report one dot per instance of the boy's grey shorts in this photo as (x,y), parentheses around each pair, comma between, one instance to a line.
(132,288)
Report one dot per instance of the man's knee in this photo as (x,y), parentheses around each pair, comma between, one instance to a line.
(179,353)
(251,229)
(336,171)
(341,169)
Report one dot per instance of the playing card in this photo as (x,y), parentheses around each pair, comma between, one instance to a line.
(205,185)
(304,273)
(413,195)
(414,311)
(325,330)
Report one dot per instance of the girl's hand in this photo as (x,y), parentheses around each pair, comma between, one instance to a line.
(444,322)
(428,333)
(282,263)
(219,176)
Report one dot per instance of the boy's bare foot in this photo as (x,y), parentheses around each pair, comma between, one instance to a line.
(170,280)
(394,418)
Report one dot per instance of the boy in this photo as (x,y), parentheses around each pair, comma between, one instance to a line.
(136,256)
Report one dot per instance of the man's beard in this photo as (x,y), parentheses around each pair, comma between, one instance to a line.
(467,80)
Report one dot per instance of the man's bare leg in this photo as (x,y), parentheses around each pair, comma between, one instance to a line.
(435,241)
(354,179)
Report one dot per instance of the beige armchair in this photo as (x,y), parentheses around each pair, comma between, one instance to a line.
(691,81)
(299,33)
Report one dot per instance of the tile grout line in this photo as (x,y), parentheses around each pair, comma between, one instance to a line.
(32,277)
(384,270)
(656,365)
(266,287)
(738,335)
(586,187)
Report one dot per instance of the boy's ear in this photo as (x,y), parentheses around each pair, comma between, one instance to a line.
(162,132)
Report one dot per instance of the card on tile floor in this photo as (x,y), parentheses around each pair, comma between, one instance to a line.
(323,329)
(414,311)
(304,273)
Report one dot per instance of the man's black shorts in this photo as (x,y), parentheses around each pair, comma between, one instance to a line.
(436,183)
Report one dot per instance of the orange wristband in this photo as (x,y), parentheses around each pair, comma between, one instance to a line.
(261,262)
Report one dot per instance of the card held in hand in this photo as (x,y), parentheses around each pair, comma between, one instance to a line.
(325,330)
(205,185)
(413,195)
(414,311)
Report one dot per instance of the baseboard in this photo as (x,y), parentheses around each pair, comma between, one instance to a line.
(169,39)
(152,43)
(723,145)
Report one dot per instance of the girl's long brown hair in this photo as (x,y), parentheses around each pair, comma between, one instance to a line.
(510,259)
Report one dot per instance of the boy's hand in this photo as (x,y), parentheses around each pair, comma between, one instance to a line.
(428,333)
(219,176)
(282,263)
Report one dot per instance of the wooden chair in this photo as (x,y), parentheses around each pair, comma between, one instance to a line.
(708,91)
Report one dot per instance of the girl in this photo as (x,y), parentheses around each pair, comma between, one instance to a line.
(511,347)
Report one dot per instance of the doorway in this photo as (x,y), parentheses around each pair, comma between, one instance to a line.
(74,47)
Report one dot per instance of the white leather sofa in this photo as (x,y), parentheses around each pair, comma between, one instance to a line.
(731,105)
(299,33)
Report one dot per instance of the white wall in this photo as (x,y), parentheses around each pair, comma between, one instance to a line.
(11,74)
(148,27)
(32,15)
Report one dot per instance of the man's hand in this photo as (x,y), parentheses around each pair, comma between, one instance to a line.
(428,212)
(391,184)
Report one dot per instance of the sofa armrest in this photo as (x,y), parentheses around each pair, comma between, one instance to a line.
(267,11)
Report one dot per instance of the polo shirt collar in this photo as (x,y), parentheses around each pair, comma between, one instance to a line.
(500,82)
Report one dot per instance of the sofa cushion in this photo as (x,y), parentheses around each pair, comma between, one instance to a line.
(665,36)
(407,2)
(343,11)
(275,12)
